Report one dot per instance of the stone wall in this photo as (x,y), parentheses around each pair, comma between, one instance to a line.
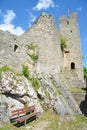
(73,56)
(45,36)
(12,53)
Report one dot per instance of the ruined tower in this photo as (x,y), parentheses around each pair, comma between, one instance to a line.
(69,30)
(44,34)
(46,39)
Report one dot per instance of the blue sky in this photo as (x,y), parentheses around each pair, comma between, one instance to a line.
(17,16)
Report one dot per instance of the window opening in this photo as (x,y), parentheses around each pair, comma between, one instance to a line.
(72,65)
(15,47)
(67,22)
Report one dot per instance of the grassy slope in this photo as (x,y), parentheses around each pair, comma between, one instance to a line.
(55,123)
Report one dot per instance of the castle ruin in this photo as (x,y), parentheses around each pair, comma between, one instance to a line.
(46,38)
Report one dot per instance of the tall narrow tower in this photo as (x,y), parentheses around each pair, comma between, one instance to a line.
(69,30)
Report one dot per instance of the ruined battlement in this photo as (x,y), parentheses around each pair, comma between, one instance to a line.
(46,38)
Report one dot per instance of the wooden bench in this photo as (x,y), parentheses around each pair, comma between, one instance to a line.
(24,114)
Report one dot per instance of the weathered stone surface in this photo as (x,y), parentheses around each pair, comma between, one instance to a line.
(47,39)
(57,95)
(17,91)
(39,48)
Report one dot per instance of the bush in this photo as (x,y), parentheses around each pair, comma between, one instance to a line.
(63,43)
(31,47)
(33,57)
(35,82)
(25,71)
(4,68)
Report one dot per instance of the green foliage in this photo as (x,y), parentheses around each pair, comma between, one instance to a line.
(54,122)
(25,71)
(6,105)
(35,82)
(33,57)
(4,128)
(4,68)
(31,47)
(63,43)
(85,72)
(0,93)
(76,90)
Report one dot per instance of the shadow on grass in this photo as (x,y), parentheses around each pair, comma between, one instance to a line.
(23,123)
(83,104)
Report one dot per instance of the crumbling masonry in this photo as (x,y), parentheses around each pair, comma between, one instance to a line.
(46,38)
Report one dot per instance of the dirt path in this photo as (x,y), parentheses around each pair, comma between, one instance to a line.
(40,126)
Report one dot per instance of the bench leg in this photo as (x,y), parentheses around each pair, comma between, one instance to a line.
(25,122)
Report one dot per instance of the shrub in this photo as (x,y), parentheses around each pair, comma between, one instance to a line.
(25,71)
(4,68)
(35,82)
(33,57)
(63,43)
(31,47)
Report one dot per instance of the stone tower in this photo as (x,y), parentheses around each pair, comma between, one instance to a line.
(44,34)
(72,54)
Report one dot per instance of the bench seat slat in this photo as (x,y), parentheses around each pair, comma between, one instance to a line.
(25,108)
(22,111)
(26,117)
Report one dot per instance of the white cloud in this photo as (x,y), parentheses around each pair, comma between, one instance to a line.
(79,9)
(44,4)
(7,23)
(9,16)
(32,18)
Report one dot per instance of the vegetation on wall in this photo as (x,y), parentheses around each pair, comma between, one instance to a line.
(25,71)
(33,57)
(3,69)
(31,47)
(63,43)
(35,83)
(32,53)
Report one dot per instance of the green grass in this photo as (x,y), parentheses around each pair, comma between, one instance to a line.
(62,123)
(76,90)
(4,68)
(56,122)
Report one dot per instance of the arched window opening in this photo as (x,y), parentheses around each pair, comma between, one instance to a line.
(68,22)
(72,65)
(15,47)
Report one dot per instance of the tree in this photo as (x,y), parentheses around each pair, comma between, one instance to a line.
(85,72)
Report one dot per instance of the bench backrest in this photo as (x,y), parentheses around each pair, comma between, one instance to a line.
(24,110)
